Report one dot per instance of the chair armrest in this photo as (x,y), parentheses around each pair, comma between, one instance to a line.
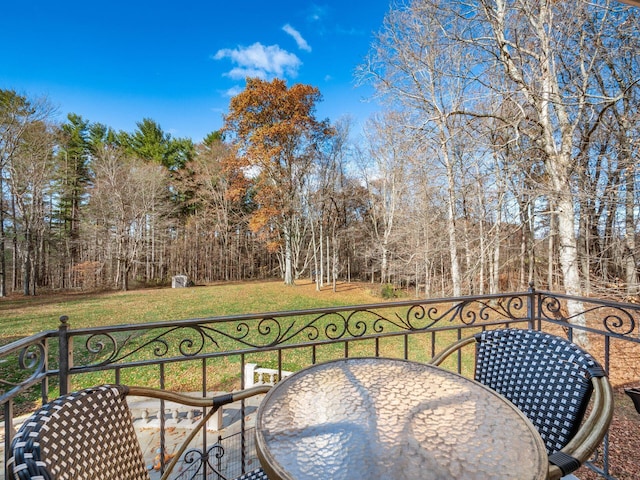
(442,356)
(592,430)
(214,402)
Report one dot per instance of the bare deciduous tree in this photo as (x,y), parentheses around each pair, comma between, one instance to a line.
(126,195)
(31,169)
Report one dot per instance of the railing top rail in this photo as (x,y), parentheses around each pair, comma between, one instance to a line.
(25,341)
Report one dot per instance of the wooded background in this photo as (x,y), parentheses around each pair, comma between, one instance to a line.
(505,152)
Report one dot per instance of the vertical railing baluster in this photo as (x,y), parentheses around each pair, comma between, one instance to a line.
(162,426)
(44,385)
(243,446)
(459,352)
(205,456)
(433,344)
(605,448)
(64,355)
(406,346)
(242,414)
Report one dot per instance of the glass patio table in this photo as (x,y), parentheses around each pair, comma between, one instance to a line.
(382,418)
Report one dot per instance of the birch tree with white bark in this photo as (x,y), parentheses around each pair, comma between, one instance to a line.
(415,65)
(442,60)
(551,53)
(388,151)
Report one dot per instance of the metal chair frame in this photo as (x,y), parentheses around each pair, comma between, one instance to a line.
(590,433)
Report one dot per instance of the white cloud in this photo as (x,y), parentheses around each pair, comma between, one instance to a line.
(260,61)
(302,43)
(233,91)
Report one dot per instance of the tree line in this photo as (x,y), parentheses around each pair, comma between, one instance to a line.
(505,153)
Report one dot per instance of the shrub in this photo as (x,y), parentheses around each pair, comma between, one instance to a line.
(387,291)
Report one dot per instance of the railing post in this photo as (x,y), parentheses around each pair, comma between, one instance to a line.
(65,353)
(531,305)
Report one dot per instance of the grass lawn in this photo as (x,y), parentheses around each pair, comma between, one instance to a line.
(22,316)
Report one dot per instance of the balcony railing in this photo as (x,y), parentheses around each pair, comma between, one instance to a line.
(210,354)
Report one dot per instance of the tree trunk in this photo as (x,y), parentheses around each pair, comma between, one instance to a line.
(494,280)
(551,259)
(532,245)
(451,230)
(125,276)
(384,260)
(569,264)
(334,269)
(288,268)
(320,272)
(26,265)
(14,241)
(630,238)
(328,259)
(3,262)
(314,272)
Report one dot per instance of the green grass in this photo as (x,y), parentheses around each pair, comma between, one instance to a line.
(23,316)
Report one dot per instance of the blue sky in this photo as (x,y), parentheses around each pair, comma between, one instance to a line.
(178,63)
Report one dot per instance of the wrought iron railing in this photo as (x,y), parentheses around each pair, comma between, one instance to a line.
(228,458)
(207,354)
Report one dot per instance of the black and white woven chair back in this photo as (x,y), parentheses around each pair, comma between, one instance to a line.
(88,434)
(547,377)
(257,474)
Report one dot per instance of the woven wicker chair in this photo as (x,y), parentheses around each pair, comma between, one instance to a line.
(89,434)
(552,381)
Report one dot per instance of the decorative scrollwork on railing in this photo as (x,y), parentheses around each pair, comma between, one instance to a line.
(512,307)
(613,317)
(32,357)
(621,322)
(178,341)
(473,311)
(104,343)
(195,461)
(550,307)
(96,345)
(21,368)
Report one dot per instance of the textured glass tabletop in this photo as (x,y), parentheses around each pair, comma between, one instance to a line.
(379,418)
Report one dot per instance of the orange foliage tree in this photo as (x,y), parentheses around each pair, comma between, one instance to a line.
(277,140)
